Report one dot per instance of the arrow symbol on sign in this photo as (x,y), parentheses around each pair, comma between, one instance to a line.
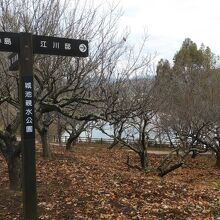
(82,48)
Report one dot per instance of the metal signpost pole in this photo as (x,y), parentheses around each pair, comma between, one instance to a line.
(27,127)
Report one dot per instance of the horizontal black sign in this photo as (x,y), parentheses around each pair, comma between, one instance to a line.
(60,46)
(9,42)
(46,45)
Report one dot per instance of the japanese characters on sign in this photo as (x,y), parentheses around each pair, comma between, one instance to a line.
(46,45)
(28,106)
(60,46)
(9,41)
(13,58)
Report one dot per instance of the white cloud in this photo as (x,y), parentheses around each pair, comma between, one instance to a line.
(169,22)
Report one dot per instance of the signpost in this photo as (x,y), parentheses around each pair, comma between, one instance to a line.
(25,45)
(60,46)
(9,42)
(27,126)
(13,58)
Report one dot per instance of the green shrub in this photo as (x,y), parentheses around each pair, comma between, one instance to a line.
(217,184)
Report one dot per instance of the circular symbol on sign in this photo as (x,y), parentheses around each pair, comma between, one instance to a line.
(82,48)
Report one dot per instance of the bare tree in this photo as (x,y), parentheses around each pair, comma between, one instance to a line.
(11,150)
(132,113)
(9,146)
(190,118)
(73,128)
(209,135)
(67,84)
(60,82)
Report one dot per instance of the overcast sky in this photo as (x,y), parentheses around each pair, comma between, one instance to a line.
(169,22)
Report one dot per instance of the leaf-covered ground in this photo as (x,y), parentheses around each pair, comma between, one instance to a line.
(94,183)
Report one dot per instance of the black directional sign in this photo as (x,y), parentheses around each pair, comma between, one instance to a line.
(23,46)
(60,46)
(9,42)
(13,58)
(46,45)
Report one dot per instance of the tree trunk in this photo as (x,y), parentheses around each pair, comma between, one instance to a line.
(14,172)
(59,130)
(71,141)
(45,145)
(144,144)
(169,169)
(11,150)
(218,159)
(143,160)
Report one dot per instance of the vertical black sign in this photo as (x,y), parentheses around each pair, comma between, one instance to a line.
(28,103)
(27,126)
